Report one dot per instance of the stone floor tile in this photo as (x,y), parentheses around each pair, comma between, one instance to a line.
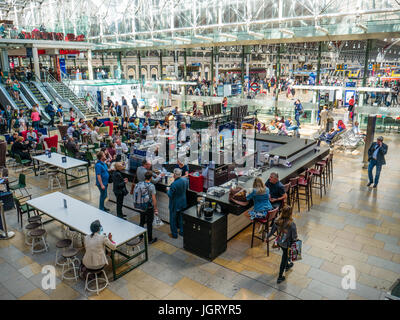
(384,274)
(222,286)
(244,294)
(19,286)
(373,282)
(350,253)
(190,287)
(177,295)
(325,277)
(321,253)
(369,241)
(210,294)
(309,295)
(169,276)
(35,294)
(311,260)
(263,290)
(327,290)
(384,263)
(106,294)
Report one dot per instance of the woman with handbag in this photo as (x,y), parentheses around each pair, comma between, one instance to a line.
(119,187)
(287,234)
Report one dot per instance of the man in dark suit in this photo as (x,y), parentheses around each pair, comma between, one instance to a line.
(177,203)
(376,157)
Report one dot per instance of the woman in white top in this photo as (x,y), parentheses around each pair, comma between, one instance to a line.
(95,244)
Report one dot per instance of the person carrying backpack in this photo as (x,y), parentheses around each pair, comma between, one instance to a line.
(298,111)
(144,200)
(287,234)
(50,111)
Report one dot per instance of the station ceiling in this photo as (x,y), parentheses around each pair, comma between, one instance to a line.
(172,24)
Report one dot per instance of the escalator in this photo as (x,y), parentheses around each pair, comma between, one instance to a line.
(35,97)
(22,104)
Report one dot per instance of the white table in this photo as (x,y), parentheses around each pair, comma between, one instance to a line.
(79,215)
(71,163)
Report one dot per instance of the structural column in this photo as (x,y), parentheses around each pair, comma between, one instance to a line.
(365,76)
(161,65)
(242,72)
(90,67)
(318,93)
(212,73)
(119,65)
(277,77)
(36,63)
(185,76)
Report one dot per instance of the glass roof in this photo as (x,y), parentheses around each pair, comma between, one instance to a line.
(168,23)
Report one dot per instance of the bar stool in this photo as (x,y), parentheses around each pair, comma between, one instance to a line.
(328,165)
(294,192)
(319,172)
(305,183)
(28,228)
(36,219)
(69,254)
(53,177)
(38,238)
(96,279)
(287,191)
(266,222)
(132,244)
(71,233)
(61,245)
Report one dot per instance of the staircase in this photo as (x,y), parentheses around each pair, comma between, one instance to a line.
(65,92)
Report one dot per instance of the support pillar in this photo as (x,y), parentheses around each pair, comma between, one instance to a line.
(277,77)
(318,93)
(119,65)
(140,72)
(176,59)
(365,76)
(212,72)
(36,63)
(185,76)
(242,72)
(90,67)
(4,62)
(160,66)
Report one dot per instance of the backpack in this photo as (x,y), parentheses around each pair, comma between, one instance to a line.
(141,196)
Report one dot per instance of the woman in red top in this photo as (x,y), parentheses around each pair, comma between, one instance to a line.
(35,116)
(341,126)
(224,104)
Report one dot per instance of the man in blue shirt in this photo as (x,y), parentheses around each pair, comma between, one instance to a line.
(376,157)
(177,203)
(276,190)
(298,110)
(102,177)
(50,111)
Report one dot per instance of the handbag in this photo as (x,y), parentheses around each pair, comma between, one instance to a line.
(295,250)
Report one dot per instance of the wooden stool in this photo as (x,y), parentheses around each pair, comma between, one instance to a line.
(28,228)
(266,222)
(305,183)
(319,172)
(70,255)
(38,237)
(294,192)
(96,279)
(61,245)
(132,244)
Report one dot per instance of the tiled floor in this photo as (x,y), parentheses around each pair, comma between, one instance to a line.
(350,225)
